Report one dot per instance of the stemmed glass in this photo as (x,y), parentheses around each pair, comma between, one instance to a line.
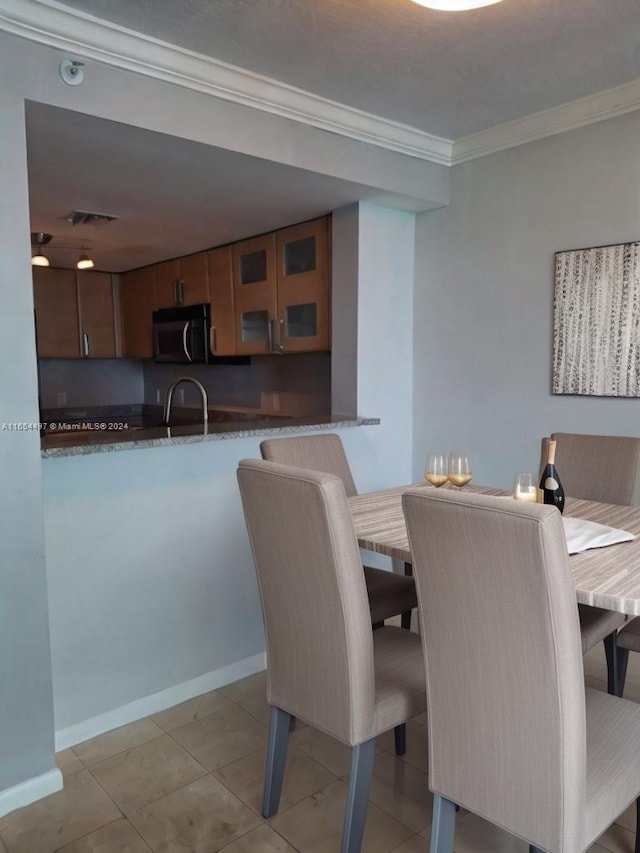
(459,470)
(435,471)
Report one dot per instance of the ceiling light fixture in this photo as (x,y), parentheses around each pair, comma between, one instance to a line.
(85,262)
(39,239)
(455,5)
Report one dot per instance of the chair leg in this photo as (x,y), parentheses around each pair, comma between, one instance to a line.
(612,663)
(405,621)
(400,738)
(277,742)
(637,846)
(355,814)
(443,825)
(623,659)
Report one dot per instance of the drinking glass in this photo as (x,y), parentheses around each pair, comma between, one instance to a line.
(459,470)
(435,471)
(524,488)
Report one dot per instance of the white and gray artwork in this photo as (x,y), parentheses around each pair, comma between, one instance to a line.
(596,328)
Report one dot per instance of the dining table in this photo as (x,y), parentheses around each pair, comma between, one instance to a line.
(607,577)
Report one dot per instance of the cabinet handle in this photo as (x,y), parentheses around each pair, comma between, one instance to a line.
(214,340)
(274,337)
(185,332)
(85,345)
(178,291)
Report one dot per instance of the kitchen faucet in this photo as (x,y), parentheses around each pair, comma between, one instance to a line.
(169,396)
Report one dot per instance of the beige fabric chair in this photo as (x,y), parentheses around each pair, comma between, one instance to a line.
(512,735)
(602,468)
(324,663)
(389,594)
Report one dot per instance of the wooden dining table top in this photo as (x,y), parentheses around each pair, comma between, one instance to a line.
(606,577)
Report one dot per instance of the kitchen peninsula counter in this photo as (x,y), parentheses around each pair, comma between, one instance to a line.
(93,435)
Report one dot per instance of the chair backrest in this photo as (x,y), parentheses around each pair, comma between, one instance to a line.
(603,468)
(314,453)
(314,599)
(501,639)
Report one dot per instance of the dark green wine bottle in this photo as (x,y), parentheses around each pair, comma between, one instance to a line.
(552,490)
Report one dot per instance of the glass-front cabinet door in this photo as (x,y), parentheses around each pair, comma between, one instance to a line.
(255,294)
(302,253)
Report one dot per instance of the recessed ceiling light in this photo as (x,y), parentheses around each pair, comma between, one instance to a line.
(455,5)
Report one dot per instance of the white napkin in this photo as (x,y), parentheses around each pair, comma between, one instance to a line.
(582,535)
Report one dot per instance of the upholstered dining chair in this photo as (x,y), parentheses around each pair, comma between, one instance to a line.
(512,735)
(389,593)
(325,665)
(603,468)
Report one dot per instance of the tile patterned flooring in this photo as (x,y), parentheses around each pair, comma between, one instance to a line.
(189,780)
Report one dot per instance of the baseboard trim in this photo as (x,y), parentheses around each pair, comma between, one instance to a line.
(29,791)
(156,702)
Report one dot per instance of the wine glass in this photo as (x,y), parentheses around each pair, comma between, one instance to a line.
(435,471)
(459,470)
(524,488)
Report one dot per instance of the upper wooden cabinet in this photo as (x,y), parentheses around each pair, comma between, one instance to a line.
(74,314)
(137,302)
(96,315)
(181,281)
(223,332)
(55,296)
(193,280)
(165,282)
(281,290)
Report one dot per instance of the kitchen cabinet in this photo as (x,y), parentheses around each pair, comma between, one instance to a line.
(165,282)
(137,302)
(255,294)
(223,332)
(55,297)
(281,290)
(96,315)
(182,281)
(74,314)
(193,279)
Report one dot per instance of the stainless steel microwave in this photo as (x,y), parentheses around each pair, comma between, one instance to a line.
(182,336)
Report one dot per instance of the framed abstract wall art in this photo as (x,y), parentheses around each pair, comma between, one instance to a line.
(596,321)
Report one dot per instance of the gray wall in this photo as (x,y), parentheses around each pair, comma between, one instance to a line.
(484,295)
(26,707)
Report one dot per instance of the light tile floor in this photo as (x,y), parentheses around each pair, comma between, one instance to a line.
(189,780)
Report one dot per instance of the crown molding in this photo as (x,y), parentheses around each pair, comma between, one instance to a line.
(574,114)
(81,35)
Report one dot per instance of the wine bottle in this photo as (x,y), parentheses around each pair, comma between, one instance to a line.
(552,490)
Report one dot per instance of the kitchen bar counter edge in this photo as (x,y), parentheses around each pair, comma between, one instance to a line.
(100,442)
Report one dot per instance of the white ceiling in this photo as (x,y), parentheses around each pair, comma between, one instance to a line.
(450,74)
(447,74)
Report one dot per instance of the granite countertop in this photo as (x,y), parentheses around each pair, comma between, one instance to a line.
(107,429)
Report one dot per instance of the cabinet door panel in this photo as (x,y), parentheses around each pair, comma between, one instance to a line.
(55,298)
(254,293)
(303,286)
(95,308)
(223,332)
(194,279)
(165,282)
(137,302)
